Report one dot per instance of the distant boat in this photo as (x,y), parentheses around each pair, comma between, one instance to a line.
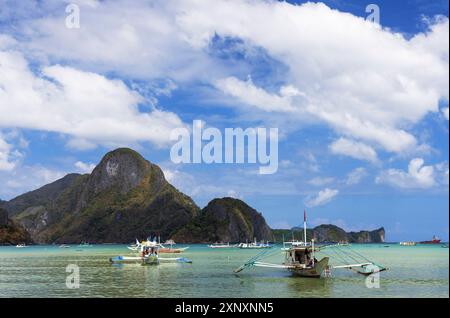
(84,244)
(171,249)
(148,255)
(435,240)
(64,246)
(408,243)
(254,245)
(221,245)
(21,245)
(161,248)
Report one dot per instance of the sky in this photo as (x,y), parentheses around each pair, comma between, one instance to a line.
(361,105)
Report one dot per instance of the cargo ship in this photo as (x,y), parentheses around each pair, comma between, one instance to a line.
(435,240)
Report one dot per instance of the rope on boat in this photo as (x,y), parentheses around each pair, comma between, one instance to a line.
(346,255)
(251,262)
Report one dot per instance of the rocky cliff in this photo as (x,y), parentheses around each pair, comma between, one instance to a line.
(332,233)
(10,232)
(127,197)
(225,220)
(123,198)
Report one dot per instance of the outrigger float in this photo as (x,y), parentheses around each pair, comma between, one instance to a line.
(300,259)
(148,255)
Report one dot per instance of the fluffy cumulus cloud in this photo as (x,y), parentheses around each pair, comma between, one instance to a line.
(84,105)
(323,197)
(336,70)
(84,167)
(370,85)
(418,176)
(354,149)
(339,66)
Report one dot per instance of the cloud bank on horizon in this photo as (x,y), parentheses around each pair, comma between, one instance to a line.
(377,98)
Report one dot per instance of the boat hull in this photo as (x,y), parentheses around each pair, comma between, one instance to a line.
(172,250)
(431,242)
(314,272)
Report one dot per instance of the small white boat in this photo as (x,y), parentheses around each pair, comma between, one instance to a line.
(221,245)
(64,246)
(162,249)
(21,245)
(408,243)
(254,245)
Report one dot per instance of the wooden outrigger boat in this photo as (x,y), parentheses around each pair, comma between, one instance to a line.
(221,245)
(162,249)
(254,245)
(300,259)
(149,254)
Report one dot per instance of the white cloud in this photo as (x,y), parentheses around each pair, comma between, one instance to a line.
(445,112)
(248,93)
(8,156)
(5,156)
(89,107)
(443,171)
(355,176)
(323,197)
(354,149)
(418,176)
(26,178)
(339,63)
(320,181)
(334,70)
(84,167)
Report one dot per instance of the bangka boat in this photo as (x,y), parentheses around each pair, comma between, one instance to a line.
(254,245)
(21,245)
(162,249)
(149,255)
(408,243)
(300,259)
(64,246)
(169,250)
(221,245)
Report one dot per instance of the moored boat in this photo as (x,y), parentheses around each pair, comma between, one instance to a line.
(408,243)
(221,245)
(254,245)
(300,259)
(434,240)
(148,255)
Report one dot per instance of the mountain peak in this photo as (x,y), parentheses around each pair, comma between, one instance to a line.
(122,168)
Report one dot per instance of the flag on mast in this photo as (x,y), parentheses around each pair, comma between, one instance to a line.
(304,215)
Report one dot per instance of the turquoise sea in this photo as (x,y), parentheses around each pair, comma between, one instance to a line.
(40,271)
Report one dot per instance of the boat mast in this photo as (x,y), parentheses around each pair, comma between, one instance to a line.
(304,225)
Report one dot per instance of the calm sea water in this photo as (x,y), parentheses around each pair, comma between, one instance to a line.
(40,271)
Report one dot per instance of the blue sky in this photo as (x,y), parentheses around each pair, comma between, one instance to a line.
(361,109)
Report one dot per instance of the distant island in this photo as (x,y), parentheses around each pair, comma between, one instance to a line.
(127,197)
